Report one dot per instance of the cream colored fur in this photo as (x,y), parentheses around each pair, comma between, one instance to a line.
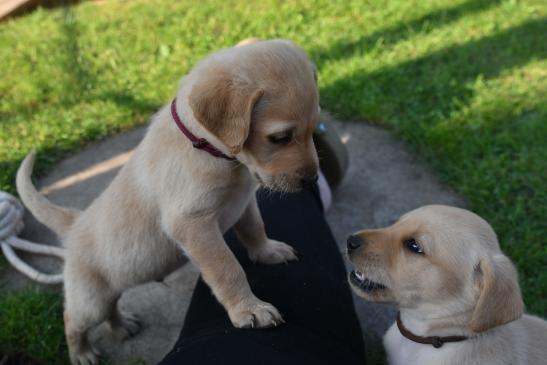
(171,198)
(461,285)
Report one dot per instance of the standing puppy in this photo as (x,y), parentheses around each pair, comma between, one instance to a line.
(243,116)
(458,294)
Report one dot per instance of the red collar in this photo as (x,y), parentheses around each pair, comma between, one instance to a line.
(199,143)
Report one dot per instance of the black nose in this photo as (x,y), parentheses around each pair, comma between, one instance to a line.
(310,180)
(354,242)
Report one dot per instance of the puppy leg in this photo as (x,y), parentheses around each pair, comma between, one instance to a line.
(87,303)
(203,242)
(251,233)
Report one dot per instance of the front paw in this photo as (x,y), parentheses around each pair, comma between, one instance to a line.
(255,314)
(272,252)
(126,326)
(87,357)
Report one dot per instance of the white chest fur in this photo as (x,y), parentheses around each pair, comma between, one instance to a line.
(402,351)
(236,201)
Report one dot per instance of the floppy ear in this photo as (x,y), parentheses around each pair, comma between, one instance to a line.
(223,105)
(500,300)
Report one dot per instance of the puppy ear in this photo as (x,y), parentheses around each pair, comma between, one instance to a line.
(500,300)
(223,105)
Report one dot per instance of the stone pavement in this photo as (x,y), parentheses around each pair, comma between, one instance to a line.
(384,180)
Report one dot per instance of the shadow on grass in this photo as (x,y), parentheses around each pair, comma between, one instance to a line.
(81,82)
(81,87)
(435,82)
(400,31)
(32,323)
(75,64)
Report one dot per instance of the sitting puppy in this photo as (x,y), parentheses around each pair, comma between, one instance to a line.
(457,293)
(243,116)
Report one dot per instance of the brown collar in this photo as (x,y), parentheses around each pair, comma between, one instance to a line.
(434,341)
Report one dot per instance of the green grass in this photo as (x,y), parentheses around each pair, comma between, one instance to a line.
(32,321)
(374,349)
(464,83)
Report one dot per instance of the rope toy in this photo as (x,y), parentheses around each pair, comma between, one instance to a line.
(11,224)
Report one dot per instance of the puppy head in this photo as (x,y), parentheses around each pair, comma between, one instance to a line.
(261,101)
(438,257)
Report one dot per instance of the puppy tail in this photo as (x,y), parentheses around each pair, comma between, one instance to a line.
(56,218)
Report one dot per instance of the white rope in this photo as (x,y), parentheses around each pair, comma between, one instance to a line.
(11,224)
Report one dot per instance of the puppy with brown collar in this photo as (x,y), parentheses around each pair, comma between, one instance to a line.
(458,294)
(243,116)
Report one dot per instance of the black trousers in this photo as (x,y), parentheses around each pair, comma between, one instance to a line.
(312,294)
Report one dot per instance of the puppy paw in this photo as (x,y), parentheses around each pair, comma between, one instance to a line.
(272,252)
(125,326)
(255,314)
(130,326)
(88,357)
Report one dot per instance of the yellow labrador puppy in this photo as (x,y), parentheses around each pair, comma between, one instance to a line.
(243,116)
(458,294)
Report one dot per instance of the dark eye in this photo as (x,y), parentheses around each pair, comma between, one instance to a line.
(413,246)
(281,138)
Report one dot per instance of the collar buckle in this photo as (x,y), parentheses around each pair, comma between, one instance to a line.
(437,342)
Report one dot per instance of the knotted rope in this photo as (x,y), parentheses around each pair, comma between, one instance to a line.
(11,224)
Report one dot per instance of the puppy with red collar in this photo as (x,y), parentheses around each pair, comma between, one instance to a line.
(242,118)
(458,294)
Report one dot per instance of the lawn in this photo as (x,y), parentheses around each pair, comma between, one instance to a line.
(464,83)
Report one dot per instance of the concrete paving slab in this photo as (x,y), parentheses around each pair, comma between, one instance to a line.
(384,180)
(161,308)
